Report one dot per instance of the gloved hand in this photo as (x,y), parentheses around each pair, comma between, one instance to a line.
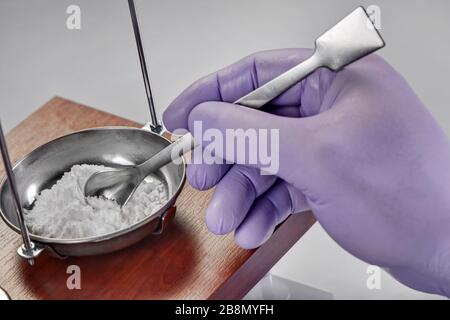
(357,147)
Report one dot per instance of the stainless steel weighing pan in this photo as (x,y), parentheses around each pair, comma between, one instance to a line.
(108,146)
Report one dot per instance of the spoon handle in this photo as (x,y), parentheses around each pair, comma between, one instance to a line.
(170,153)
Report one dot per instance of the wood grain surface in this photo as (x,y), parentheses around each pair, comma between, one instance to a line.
(185,262)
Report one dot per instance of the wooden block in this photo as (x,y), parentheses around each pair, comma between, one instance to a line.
(185,262)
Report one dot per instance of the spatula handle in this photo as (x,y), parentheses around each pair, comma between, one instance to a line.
(170,153)
(272,89)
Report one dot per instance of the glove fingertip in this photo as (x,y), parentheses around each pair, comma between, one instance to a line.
(174,118)
(247,240)
(215,222)
(198,179)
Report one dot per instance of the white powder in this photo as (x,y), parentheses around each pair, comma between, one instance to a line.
(63,212)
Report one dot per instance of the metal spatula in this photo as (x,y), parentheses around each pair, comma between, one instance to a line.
(351,39)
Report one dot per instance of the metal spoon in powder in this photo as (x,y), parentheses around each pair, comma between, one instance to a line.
(120,185)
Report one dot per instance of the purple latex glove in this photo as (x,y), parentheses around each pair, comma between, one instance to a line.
(357,147)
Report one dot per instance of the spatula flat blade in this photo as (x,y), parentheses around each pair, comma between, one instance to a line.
(352,38)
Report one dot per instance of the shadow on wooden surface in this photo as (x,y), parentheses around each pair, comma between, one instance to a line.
(111,276)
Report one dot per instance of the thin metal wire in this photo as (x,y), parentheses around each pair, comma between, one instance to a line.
(28,245)
(148,90)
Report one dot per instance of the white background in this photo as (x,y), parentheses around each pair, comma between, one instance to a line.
(98,66)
